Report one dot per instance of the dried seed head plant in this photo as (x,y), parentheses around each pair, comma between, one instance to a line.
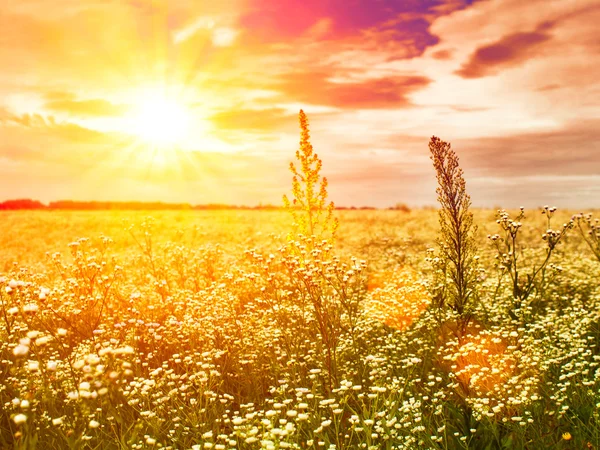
(512,259)
(456,242)
(589,229)
(312,215)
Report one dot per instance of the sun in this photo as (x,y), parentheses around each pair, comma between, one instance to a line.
(161,121)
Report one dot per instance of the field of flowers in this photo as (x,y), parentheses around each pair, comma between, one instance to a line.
(222,330)
(212,330)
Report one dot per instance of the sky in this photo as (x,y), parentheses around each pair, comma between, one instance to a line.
(196,101)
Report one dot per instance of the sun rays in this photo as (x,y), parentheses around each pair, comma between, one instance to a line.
(161,120)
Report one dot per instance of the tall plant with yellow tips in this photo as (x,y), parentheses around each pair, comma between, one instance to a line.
(313,215)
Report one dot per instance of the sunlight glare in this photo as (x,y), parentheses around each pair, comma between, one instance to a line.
(161,120)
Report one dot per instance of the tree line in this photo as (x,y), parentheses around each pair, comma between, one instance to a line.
(74,205)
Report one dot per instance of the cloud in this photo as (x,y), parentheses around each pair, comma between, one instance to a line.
(253,120)
(316,88)
(442,54)
(5,115)
(509,51)
(84,108)
(573,150)
(47,126)
(38,142)
(285,19)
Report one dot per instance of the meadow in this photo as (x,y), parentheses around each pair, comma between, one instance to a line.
(240,329)
(194,330)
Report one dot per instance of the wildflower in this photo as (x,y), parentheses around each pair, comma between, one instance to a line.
(566,436)
(30,308)
(42,340)
(311,213)
(94,424)
(20,419)
(21,350)
(127,350)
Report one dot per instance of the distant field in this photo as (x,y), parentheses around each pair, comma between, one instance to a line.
(28,235)
(210,330)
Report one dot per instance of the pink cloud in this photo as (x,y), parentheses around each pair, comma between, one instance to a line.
(386,92)
(509,51)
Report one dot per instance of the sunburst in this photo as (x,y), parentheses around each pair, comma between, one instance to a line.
(161,120)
